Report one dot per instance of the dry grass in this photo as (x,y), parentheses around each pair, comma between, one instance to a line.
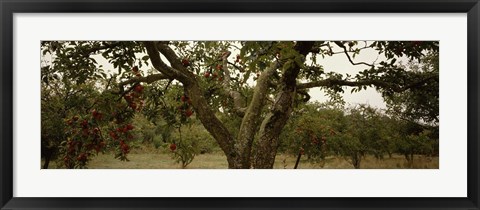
(396,162)
(156,161)
(153,159)
(148,157)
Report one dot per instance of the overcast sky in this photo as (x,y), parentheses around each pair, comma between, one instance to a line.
(339,63)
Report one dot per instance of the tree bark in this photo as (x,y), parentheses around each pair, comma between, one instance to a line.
(276,119)
(251,119)
(48,156)
(298,160)
(239,106)
(213,125)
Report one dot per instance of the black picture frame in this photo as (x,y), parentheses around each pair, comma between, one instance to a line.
(9,7)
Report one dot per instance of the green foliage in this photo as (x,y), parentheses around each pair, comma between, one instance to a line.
(73,59)
(310,130)
(350,147)
(52,125)
(411,49)
(414,139)
(185,145)
(421,101)
(146,130)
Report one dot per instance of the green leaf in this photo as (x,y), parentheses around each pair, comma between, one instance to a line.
(393,61)
(45,79)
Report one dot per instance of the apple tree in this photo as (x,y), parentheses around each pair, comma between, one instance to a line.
(364,133)
(310,130)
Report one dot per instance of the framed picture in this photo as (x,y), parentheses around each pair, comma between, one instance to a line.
(211,104)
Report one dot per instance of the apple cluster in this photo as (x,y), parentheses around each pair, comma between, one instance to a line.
(314,140)
(133,98)
(120,136)
(85,138)
(214,74)
(185,108)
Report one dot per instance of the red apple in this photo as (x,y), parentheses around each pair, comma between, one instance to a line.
(133,105)
(135,69)
(125,148)
(84,123)
(173,147)
(128,98)
(138,88)
(82,157)
(206,74)
(97,115)
(188,112)
(185,62)
(113,135)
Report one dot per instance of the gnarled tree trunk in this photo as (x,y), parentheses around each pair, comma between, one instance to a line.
(273,124)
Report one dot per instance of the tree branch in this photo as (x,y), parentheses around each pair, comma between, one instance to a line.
(158,64)
(381,84)
(237,67)
(148,79)
(102,47)
(174,60)
(348,56)
(251,120)
(238,100)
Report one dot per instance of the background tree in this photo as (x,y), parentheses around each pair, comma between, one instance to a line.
(310,130)
(363,133)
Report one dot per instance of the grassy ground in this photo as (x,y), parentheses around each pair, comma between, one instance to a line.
(147,157)
(156,160)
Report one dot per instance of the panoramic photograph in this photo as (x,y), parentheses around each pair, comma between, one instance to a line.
(335,104)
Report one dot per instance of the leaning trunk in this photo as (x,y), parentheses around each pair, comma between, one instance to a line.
(213,125)
(177,71)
